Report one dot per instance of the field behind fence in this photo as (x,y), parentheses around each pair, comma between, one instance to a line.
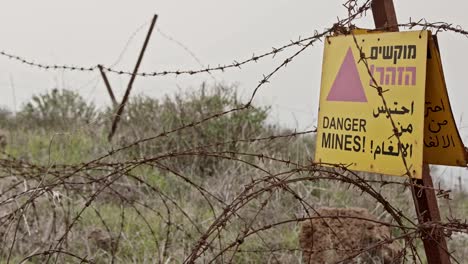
(207,180)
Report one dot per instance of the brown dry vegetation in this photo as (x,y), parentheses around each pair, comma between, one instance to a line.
(232,189)
(336,234)
(199,178)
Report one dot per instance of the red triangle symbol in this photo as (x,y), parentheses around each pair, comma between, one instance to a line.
(347,86)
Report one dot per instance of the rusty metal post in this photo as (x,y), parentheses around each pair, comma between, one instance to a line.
(466,154)
(425,199)
(121,107)
(428,211)
(109,88)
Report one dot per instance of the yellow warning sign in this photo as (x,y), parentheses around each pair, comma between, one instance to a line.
(442,142)
(354,128)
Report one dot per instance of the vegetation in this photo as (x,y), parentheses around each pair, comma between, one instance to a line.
(57,110)
(151,202)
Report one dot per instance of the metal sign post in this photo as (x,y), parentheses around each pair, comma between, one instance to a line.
(425,198)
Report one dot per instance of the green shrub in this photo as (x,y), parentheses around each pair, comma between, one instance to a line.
(58,109)
(6,118)
(145,114)
(146,117)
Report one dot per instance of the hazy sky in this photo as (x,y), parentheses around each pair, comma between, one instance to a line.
(90,32)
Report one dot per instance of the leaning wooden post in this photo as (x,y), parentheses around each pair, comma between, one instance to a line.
(121,107)
(425,198)
(108,86)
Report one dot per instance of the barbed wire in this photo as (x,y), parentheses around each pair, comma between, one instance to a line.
(260,195)
(394,130)
(235,64)
(46,66)
(422,23)
(435,232)
(186,49)
(437,26)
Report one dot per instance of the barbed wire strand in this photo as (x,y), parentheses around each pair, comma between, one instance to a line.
(247,209)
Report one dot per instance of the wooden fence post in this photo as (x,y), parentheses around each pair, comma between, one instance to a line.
(108,86)
(425,199)
(121,107)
